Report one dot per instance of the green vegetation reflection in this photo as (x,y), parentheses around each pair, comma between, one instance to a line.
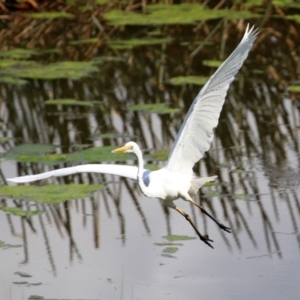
(212,63)
(38,153)
(180,80)
(18,53)
(12,69)
(26,283)
(16,211)
(159,14)
(72,102)
(22,274)
(128,44)
(50,194)
(7,246)
(85,41)
(161,155)
(157,108)
(171,246)
(50,15)
(294,88)
(174,238)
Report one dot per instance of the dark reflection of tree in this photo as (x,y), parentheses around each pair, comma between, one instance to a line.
(256,130)
(47,244)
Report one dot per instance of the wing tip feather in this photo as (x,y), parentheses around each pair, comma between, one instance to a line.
(250,33)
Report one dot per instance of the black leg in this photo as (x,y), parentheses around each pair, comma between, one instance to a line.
(227,229)
(203,238)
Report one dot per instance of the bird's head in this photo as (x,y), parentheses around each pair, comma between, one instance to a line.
(130,147)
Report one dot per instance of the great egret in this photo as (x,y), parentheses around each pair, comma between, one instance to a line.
(176,179)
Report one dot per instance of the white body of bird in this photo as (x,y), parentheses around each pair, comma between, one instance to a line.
(169,186)
(176,179)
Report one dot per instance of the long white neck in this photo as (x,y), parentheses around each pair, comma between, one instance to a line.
(143,187)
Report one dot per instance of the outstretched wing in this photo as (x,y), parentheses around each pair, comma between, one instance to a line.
(120,170)
(196,132)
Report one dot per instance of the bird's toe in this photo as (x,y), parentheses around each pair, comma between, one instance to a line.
(206,240)
(227,229)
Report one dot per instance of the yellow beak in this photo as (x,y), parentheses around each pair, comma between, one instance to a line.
(120,150)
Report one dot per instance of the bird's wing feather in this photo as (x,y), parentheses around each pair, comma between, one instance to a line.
(196,132)
(120,170)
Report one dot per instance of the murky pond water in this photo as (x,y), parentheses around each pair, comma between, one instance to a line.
(93,236)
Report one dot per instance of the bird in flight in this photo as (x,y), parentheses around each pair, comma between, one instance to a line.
(176,179)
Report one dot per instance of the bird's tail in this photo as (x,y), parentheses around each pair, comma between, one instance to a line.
(197,183)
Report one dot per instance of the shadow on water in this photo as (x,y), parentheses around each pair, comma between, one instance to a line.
(76,84)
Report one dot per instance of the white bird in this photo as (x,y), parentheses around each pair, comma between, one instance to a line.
(176,179)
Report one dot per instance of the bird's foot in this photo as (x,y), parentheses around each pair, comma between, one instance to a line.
(227,229)
(206,240)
